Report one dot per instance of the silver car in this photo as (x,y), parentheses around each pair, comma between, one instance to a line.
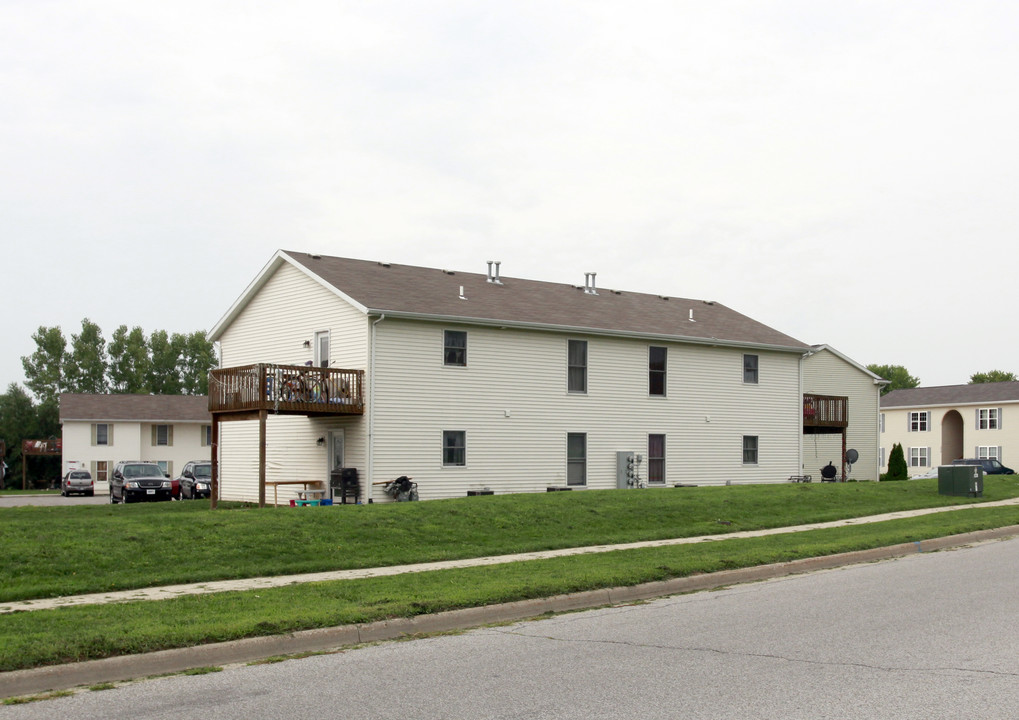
(77,481)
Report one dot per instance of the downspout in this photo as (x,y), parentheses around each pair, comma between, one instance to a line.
(369,487)
(799,436)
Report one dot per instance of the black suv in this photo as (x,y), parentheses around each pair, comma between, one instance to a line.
(138,481)
(196,480)
(991,467)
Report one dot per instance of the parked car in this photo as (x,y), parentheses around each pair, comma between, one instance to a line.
(139,481)
(77,481)
(196,480)
(991,467)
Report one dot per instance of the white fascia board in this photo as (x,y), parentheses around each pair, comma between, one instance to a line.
(950,406)
(278,259)
(878,380)
(579,330)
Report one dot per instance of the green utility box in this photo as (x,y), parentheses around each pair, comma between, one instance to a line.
(964,480)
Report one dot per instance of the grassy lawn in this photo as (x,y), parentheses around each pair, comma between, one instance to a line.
(50,551)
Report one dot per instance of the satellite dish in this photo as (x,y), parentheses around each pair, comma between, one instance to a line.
(852,456)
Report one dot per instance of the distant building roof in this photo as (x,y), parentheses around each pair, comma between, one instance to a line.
(968,394)
(430,294)
(134,408)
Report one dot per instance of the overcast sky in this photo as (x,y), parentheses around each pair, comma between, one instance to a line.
(845,172)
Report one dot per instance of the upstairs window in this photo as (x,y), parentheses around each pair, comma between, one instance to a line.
(989,419)
(750,364)
(454,348)
(577,366)
(102,434)
(162,435)
(919,421)
(657,357)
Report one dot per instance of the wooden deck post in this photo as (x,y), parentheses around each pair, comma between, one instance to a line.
(214,491)
(262,416)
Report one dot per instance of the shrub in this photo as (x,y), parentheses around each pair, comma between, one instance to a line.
(897,468)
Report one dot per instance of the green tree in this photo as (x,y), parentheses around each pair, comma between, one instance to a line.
(85,365)
(897,468)
(898,377)
(44,369)
(197,358)
(164,373)
(18,421)
(129,361)
(992,377)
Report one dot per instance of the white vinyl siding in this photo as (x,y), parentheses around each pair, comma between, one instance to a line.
(825,373)
(511,398)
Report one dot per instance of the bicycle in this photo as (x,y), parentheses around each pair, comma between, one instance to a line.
(303,386)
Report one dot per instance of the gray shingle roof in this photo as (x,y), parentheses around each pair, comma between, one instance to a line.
(426,292)
(135,408)
(952,395)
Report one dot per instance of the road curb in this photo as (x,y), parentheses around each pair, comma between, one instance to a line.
(116,669)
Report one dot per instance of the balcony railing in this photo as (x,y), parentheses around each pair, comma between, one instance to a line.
(825,411)
(287,389)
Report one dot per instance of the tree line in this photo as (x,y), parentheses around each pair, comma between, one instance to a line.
(131,362)
(899,378)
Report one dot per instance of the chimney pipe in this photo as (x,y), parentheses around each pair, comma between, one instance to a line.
(493,276)
(589,287)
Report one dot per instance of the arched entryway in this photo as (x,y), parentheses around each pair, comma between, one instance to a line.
(951,437)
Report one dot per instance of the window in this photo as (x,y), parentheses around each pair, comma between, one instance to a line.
(882,422)
(454,448)
(576,459)
(989,419)
(102,434)
(656,459)
(165,467)
(750,363)
(162,435)
(919,457)
(206,434)
(99,471)
(919,421)
(454,347)
(656,363)
(749,449)
(322,349)
(989,452)
(577,364)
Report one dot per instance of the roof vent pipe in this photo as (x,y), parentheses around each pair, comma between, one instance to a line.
(493,275)
(589,287)
(691,315)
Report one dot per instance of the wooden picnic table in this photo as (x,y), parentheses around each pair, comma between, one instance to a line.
(276,483)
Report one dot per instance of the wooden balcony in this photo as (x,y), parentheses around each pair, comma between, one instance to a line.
(825,413)
(286,390)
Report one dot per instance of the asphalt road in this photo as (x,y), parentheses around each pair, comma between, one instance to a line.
(928,636)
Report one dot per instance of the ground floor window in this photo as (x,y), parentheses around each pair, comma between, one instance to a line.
(656,459)
(989,452)
(576,459)
(919,457)
(101,470)
(750,449)
(166,466)
(454,448)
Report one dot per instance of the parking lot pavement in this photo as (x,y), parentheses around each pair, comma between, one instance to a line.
(53,497)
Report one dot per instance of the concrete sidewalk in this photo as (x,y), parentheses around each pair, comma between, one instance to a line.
(172,591)
(131,667)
